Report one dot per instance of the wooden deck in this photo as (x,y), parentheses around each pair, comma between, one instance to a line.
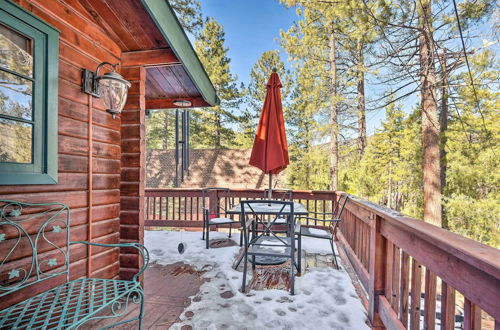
(168,288)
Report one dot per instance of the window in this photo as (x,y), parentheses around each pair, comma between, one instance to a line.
(28,98)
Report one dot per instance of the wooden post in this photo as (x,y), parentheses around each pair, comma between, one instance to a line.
(376,283)
(133,159)
(213,198)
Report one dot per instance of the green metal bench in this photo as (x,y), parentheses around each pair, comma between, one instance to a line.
(39,228)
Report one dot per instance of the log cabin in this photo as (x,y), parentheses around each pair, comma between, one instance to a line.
(59,144)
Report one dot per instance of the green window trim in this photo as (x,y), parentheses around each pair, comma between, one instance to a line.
(44,166)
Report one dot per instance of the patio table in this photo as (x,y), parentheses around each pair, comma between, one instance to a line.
(267,209)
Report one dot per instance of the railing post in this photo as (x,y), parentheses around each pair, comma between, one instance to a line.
(376,271)
(213,197)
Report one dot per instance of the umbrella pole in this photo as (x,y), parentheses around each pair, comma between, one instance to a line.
(270,186)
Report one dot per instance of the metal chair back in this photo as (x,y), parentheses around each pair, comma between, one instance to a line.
(220,208)
(337,213)
(27,230)
(265,213)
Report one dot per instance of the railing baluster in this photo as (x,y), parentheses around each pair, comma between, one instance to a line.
(430,300)
(405,288)
(472,316)
(416,288)
(167,207)
(154,208)
(172,207)
(197,208)
(161,208)
(191,217)
(185,207)
(179,201)
(388,271)
(447,307)
(395,279)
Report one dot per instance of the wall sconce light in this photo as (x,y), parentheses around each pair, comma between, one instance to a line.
(182,103)
(110,86)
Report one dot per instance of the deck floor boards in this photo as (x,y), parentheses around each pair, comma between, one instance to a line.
(167,291)
(168,288)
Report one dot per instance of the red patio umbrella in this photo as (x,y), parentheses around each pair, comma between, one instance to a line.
(270,149)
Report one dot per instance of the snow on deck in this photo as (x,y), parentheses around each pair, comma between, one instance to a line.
(325,298)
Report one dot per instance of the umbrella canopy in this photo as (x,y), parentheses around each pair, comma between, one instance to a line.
(270,149)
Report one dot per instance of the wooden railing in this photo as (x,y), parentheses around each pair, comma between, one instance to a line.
(183,207)
(456,280)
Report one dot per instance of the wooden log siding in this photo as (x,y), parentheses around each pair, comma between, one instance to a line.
(132,170)
(83,44)
(394,257)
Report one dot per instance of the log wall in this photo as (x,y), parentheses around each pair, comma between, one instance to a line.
(89,141)
(133,170)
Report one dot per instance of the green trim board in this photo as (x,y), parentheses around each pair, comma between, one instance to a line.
(45,38)
(166,20)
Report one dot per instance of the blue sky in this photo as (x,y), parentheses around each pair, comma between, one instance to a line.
(252,27)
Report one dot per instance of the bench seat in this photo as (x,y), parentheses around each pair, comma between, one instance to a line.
(71,304)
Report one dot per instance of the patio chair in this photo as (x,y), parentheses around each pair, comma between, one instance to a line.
(332,218)
(267,242)
(215,216)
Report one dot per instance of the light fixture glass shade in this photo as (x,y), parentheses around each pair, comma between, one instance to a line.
(113,90)
(182,103)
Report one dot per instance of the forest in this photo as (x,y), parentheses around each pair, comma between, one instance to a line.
(431,66)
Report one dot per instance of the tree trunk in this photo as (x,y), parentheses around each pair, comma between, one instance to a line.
(443,126)
(334,144)
(430,126)
(361,101)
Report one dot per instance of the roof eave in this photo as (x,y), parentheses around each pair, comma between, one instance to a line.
(168,24)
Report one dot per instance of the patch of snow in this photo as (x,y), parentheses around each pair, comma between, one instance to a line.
(316,231)
(220,220)
(325,298)
(316,245)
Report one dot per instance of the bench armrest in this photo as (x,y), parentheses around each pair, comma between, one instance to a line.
(141,248)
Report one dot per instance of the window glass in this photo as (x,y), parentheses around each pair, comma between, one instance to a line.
(15,95)
(15,141)
(16,52)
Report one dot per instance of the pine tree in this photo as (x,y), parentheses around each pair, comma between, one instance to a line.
(160,129)
(311,44)
(212,127)
(189,14)
(472,195)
